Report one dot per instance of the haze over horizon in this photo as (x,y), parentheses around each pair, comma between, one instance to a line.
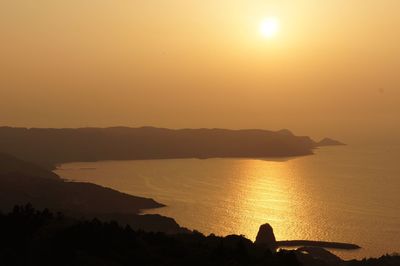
(200,132)
(331,70)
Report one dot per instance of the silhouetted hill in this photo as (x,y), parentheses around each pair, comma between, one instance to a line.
(10,165)
(68,196)
(22,183)
(52,146)
(30,237)
(286,132)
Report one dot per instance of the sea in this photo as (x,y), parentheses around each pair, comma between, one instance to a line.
(345,194)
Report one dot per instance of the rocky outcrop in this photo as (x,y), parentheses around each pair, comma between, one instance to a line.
(266,236)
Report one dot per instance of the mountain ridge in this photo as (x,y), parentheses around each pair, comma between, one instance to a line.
(49,147)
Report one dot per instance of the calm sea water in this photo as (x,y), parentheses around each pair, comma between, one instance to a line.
(345,194)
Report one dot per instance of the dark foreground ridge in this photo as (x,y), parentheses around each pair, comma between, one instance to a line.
(49,147)
(31,237)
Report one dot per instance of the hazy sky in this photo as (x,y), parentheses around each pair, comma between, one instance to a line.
(333,68)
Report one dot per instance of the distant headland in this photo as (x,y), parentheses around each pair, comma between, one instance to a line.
(49,147)
(329,142)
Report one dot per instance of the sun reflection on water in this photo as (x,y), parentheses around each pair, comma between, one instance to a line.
(320,197)
(267,195)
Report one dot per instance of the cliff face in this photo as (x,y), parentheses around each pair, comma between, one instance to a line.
(51,146)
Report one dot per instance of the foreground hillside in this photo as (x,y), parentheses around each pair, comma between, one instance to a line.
(32,237)
(9,166)
(52,146)
(22,182)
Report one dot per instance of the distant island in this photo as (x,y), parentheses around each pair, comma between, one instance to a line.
(49,147)
(329,142)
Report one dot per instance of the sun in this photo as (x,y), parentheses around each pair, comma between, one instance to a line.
(269,27)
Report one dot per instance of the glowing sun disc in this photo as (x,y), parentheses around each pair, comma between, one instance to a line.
(269,27)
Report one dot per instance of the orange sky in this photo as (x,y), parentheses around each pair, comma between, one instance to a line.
(333,69)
